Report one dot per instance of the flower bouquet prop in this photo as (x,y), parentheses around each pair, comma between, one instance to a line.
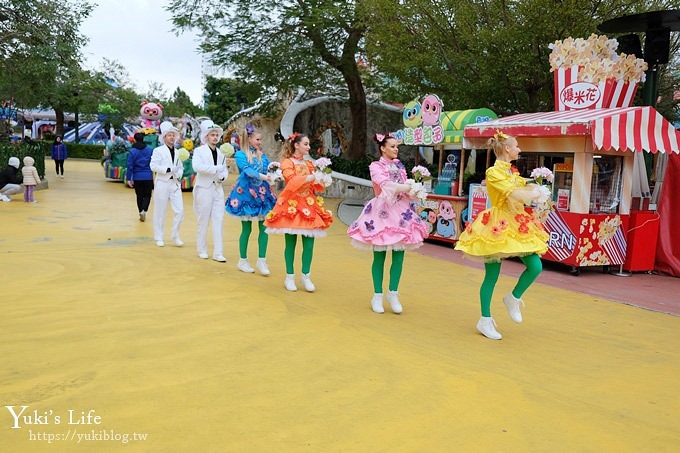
(323,171)
(590,74)
(543,203)
(274,172)
(420,176)
(227,149)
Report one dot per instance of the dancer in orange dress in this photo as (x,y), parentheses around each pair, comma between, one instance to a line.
(299,210)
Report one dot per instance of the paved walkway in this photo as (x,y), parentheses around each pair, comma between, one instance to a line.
(200,357)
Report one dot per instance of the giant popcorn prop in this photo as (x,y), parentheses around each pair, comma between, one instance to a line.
(590,74)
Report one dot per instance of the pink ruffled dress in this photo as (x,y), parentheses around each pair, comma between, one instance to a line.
(389,221)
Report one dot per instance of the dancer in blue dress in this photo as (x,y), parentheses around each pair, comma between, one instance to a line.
(251,198)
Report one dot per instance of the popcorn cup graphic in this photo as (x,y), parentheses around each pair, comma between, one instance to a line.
(572,94)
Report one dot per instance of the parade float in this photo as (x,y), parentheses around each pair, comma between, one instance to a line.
(591,143)
(116,152)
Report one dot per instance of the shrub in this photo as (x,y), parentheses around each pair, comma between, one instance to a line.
(37,150)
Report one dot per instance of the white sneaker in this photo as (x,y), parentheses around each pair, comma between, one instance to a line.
(178,242)
(160,243)
(512,304)
(203,256)
(4,198)
(244,266)
(377,303)
(61,176)
(142,216)
(487,327)
(307,282)
(219,258)
(261,265)
(290,282)
(393,299)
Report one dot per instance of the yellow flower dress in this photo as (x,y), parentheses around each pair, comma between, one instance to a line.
(505,229)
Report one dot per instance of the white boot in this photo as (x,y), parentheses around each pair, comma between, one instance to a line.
(377,303)
(309,286)
(244,266)
(393,299)
(487,326)
(290,282)
(512,304)
(261,265)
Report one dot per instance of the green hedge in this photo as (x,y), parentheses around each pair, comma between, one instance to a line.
(37,150)
(78,150)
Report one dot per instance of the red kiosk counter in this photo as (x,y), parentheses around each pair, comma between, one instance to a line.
(590,154)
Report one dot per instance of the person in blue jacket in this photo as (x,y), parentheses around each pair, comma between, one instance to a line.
(251,198)
(139,174)
(59,155)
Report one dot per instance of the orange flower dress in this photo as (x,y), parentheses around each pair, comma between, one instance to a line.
(299,210)
(505,229)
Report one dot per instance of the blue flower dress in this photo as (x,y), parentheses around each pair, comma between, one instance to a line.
(250,198)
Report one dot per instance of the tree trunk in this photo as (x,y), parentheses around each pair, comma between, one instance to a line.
(60,121)
(359,111)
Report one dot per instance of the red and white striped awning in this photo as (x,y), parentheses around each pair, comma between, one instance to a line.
(622,129)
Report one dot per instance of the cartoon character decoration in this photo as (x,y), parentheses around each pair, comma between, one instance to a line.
(445,224)
(421,120)
(152,113)
(412,114)
(431,110)
(429,215)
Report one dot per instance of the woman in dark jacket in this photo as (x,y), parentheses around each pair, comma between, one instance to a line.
(139,174)
(59,154)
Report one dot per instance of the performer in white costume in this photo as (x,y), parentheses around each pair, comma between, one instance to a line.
(210,166)
(165,162)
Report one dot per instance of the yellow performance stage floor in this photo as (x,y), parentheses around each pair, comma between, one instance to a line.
(110,343)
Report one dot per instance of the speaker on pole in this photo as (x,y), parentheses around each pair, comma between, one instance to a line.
(630,45)
(657,46)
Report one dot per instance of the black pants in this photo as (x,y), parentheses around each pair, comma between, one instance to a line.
(59,163)
(143,190)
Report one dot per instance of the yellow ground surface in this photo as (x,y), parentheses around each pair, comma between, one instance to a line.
(200,357)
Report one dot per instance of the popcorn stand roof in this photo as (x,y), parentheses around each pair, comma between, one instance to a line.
(621,129)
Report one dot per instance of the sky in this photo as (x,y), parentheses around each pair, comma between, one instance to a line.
(138,34)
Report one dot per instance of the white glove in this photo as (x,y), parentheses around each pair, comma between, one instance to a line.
(178,170)
(543,195)
(327,180)
(222,174)
(318,177)
(415,188)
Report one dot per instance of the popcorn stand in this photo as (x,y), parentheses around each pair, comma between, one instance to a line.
(426,125)
(590,144)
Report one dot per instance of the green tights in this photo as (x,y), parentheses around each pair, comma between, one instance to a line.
(262,239)
(307,253)
(378,270)
(533,268)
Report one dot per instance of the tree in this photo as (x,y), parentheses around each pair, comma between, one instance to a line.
(491,53)
(179,104)
(228,96)
(39,39)
(284,45)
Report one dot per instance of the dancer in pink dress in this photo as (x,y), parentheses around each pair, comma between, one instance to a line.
(389,221)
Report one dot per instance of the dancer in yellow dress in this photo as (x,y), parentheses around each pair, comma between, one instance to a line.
(504,230)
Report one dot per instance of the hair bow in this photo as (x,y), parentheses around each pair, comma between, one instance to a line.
(499,135)
(249,129)
(380,137)
(293,136)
